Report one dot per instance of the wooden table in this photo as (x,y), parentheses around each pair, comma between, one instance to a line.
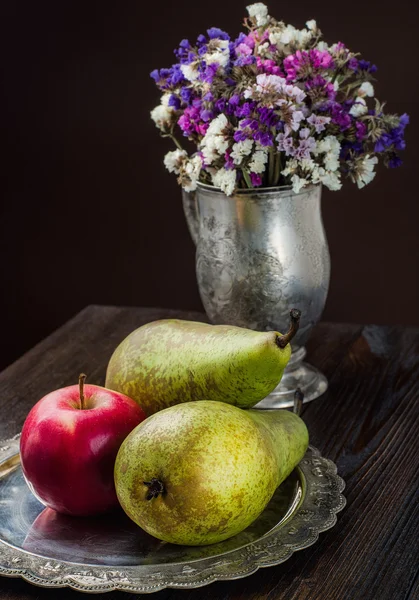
(367,423)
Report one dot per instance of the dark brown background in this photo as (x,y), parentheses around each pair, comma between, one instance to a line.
(88,213)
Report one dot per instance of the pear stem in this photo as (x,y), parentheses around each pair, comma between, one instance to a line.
(155,488)
(283,340)
(82,379)
(298,401)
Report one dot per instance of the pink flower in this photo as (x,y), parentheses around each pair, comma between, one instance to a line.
(243,50)
(302,63)
(268,66)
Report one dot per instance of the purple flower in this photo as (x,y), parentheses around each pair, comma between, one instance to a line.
(285,144)
(264,138)
(268,117)
(186,94)
(395,161)
(229,162)
(220,105)
(318,87)
(215,32)
(394,138)
(242,61)
(340,116)
(353,63)
(319,123)
(256,179)
(209,73)
(166,79)
(245,110)
(183,52)
(174,101)
(241,134)
(365,65)
(404,120)
(306,144)
(251,123)
(361,130)
(206,115)
(155,75)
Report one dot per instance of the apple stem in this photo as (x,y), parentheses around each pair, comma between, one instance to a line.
(82,379)
(155,488)
(298,401)
(283,340)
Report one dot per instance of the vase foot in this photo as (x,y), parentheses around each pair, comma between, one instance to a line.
(306,377)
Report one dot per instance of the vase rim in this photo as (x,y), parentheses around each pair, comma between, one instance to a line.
(260,190)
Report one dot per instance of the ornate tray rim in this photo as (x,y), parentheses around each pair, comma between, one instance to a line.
(317,513)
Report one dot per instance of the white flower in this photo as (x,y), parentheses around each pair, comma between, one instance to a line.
(262,48)
(296,118)
(359,108)
(217,125)
(307,164)
(364,172)
(173,161)
(240,150)
(292,166)
(331,180)
(312,25)
(303,37)
(298,183)
(220,53)
(189,174)
(366,89)
(288,35)
(214,143)
(258,162)
(329,144)
(331,161)
(275,37)
(225,179)
(190,72)
(163,115)
(322,46)
(259,11)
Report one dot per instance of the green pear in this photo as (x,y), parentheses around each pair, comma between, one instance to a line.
(172,361)
(200,472)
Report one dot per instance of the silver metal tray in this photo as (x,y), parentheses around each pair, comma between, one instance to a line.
(111,553)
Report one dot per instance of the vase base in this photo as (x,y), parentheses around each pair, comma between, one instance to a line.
(306,377)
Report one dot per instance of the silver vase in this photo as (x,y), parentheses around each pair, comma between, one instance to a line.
(259,254)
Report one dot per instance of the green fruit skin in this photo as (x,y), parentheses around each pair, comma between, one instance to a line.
(171,361)
(219,466)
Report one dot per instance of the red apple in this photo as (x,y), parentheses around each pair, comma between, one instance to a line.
(69,443)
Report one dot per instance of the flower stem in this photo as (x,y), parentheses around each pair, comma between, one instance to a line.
(271,175)
(277,169)
(247,179)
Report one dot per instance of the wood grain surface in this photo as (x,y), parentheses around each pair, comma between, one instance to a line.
(367,423)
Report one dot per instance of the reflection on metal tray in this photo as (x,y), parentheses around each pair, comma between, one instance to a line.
(111,552)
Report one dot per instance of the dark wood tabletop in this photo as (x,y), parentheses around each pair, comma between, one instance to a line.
(367,423)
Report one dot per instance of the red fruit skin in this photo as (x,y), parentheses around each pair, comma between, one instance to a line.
(68,454)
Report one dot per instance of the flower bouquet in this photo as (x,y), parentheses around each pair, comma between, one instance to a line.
(275,106)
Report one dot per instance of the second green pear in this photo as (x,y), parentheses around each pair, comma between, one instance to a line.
(173,361)
(201,472)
